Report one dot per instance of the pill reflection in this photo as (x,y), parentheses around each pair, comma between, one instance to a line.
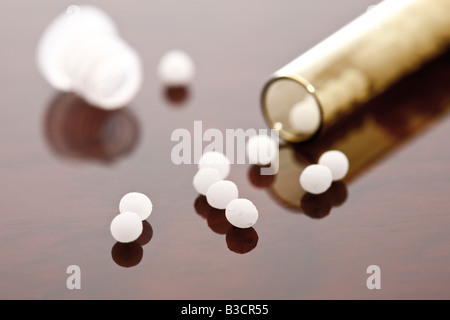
(241,240)
(146,235)
(318,206)
(218,222)
(259,180)
(238,240)
(215,218)
(78,131)
(129,255)
(176,95)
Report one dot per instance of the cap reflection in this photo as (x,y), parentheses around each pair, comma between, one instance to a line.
(76,130)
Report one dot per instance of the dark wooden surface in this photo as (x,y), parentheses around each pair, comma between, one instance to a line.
(64,167)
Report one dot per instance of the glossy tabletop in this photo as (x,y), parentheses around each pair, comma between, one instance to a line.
(64,166)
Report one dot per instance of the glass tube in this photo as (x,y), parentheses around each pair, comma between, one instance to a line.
(332,79)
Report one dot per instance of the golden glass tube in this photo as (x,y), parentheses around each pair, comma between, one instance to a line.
(354,65)
(371,133)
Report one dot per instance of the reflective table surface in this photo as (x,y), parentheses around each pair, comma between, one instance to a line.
(64,165)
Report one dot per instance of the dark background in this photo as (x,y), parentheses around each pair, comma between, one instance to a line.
(62,174)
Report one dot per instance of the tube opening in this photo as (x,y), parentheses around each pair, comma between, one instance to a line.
(291,107)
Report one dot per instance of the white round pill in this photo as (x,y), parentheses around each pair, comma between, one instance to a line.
(304,117)
(316,178)
(126,227)
(136,202)
(220,193)
(204,178)
(261,149)
(176,68)
(337,162)
(215,160)
(241,213)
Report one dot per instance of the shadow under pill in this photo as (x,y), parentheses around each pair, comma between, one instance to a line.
(218,222)
(215,218)
(130,254)
(177,96)
(146,235)
(241,240)
(238,240)
(202,207)
(78,131)
(259,180)
(127,255)
(318,206)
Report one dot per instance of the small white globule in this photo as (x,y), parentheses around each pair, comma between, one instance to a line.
(337,162)
(138,203)
(176,68)
(204,178)
(241,213)
(316,179)
(261,149)
(220,193)
(126,227)
(305,117)
(215,160)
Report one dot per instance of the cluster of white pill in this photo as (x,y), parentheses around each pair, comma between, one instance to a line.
(210,181)
(332,166)
(134,207)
